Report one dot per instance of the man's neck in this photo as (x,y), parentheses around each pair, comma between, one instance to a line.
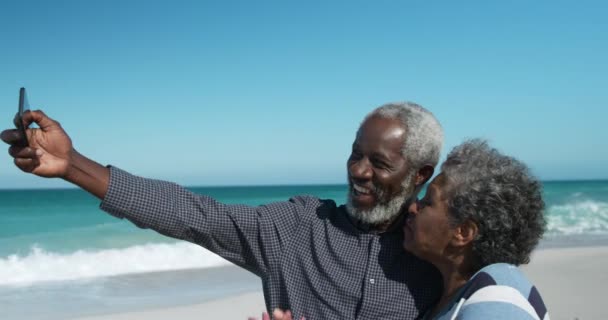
(393,224)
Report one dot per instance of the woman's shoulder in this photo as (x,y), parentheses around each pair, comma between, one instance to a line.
(503,274)
(502,288)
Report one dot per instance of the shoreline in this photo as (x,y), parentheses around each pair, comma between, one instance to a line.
(554,241)
(570,275)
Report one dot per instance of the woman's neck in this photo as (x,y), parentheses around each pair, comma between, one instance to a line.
(455,275)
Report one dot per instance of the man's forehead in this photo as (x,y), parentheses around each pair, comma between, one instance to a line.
(386,128)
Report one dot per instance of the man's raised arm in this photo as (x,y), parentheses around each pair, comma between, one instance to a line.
(251,237)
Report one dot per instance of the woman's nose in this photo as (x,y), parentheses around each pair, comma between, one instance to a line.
(413,208)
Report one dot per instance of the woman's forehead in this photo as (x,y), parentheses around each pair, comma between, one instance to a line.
(437,187)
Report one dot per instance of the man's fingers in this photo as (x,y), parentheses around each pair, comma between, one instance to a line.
(265,316)
(13,136)
(40,118)
(279,314)
(10,136)
(22,152)
(26,165)
(287,315)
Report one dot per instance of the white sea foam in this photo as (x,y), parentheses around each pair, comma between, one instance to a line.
(40,265)
(578,217)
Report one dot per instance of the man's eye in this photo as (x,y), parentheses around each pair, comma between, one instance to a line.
(355,155)
(381,164)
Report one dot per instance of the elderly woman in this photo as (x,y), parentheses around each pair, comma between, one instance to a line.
(480,218)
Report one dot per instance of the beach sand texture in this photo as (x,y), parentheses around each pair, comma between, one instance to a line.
(571,280)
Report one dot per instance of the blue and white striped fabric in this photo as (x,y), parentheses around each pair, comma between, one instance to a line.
(498,291)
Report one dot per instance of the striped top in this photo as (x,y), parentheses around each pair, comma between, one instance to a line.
(497,291)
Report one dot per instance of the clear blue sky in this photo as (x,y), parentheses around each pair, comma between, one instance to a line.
(272,92)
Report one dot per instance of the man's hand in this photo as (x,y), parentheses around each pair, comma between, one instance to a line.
(50,154)
(277,314)
(50,149)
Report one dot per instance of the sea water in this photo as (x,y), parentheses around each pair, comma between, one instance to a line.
(58,250)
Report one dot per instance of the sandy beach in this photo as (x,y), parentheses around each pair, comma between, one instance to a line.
(236,307)
(571,280)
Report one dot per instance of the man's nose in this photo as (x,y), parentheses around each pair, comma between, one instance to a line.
(361,169)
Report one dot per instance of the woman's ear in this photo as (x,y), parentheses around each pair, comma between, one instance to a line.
(465,233)
(424,174)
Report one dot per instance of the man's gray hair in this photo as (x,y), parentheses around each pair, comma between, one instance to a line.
(424,135)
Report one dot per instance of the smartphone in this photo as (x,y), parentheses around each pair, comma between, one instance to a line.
(18,120)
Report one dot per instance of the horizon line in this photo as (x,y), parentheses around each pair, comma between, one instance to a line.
(280,185)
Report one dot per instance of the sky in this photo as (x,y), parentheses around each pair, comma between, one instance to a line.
(207,93)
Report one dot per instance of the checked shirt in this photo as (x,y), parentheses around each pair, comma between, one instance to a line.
(309,255)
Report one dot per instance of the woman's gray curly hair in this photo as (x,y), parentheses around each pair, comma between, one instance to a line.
(500,195)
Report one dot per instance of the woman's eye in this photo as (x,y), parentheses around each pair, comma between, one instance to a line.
(424,202)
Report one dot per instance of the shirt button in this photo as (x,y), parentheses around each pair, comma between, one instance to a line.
(371,281)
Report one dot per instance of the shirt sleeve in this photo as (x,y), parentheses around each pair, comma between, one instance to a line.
(251,237)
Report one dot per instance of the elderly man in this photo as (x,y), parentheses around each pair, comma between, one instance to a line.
(313,257)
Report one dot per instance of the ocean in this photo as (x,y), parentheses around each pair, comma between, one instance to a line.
(58,250)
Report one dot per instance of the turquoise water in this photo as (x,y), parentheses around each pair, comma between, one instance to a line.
(57,244)
(59,228)
(57,235)
(63,221)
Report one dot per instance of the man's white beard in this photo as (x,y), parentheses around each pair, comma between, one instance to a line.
(382,212)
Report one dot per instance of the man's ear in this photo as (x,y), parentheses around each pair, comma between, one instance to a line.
(424,174)
(465,233)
